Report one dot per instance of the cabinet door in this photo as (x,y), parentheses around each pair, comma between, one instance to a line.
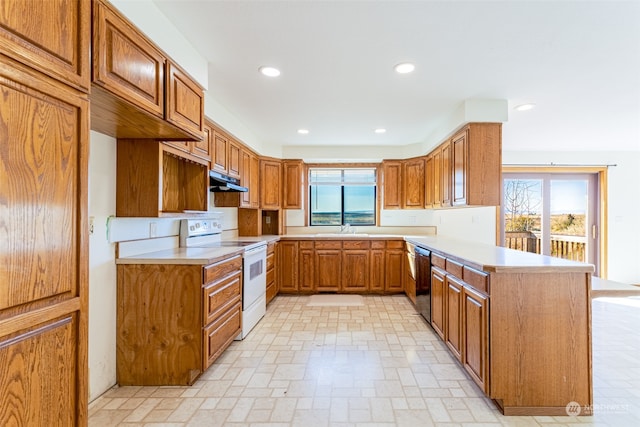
(50,36)
(270,189)
(459,173)
(355,271)
(245,180)
(475,315)
(394,271)
(293,184)
(446,174)
(328,263)
(437,178)
(453,313)
(288,266)
(254,182)
(184,101)
(438,300)
(413,179)
(235,158)
(220,149)
(376,272)
(307,271)
(125,63)
(392,184)
(218,335)
(429,182)
(202,148)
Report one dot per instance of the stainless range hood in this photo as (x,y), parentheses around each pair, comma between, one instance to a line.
(224,183)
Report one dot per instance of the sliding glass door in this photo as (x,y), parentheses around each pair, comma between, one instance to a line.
(552,214)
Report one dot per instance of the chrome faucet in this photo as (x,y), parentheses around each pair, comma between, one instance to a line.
(346,229)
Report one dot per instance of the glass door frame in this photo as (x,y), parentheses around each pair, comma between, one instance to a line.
(599,196)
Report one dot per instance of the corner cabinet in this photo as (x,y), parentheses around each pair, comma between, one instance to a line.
(137,90)
(293,186)
(392,184)
(194,311)
(44,240)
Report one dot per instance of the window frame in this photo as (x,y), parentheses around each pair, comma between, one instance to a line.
(342,167)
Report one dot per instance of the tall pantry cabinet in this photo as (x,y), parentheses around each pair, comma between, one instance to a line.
(44,137)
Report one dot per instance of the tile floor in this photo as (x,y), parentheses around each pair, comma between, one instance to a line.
(378,364)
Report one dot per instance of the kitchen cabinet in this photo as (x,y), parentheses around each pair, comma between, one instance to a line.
(245,179)
(392,184)
(355,266)
(44,245)
(475,357)
(413,183)
(437,178)
(409,273)
(270,183)
(294,183)
(219,162)
(154,180)
(52,38)
(194,312)
(459,172)
(452,325)
(137,91)
(254,182)
(501,317)
(328,263)
(445,174)
(272,283)
(199,149)
(376,267)
(234,159)
(288,266)
(394,267)
(430,186)
(307,268)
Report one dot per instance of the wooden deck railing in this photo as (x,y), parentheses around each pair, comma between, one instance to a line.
(566,247)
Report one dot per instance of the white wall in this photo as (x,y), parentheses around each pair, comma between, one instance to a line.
(102,267)
(623,202)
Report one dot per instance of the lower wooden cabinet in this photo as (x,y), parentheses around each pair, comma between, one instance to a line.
(453,330)
(475,327)
(437,300)
(173,321)
(345,266)
(272,283)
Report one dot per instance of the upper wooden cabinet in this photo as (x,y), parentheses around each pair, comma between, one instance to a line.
(445,174)
(153,180)
(50,36)
(392,184)
(270,183)
(219,151)
(293,185)
(184,100)
(234,159)
(137,91)
(413,183)
(200,149)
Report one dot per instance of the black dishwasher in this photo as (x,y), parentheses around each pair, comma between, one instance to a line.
(423,282)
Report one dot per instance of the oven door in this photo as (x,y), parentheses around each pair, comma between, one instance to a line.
(254,282)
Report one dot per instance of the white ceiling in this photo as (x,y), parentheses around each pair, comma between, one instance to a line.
(579,61)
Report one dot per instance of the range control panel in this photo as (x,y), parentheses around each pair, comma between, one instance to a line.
(201,226)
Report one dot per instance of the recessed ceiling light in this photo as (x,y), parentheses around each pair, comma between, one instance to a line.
(269,71)
(380,130)
(303,131)
(525,107)
(404,67)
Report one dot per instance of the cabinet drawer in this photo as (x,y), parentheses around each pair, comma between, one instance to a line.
(306,244)
(219,334)
(377,244)
(219,296)
(395,244)
(271,276)
(357,244)
(478,280)
(437,260)
(271,292)
(222,268)
(329,244)
(454,268)
(271,248)
(270,260)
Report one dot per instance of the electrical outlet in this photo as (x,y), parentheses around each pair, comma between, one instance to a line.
(153,229)
(267,220)
(91,227)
